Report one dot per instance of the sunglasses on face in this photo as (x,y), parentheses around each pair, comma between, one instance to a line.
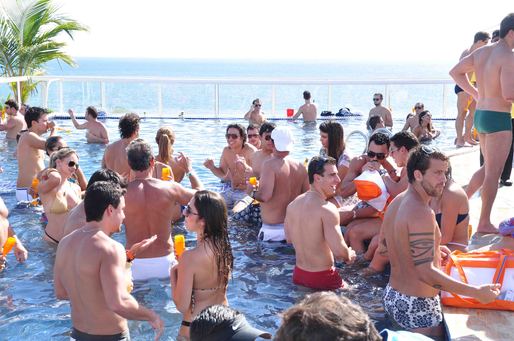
(187,211)
(376,99)
(232,136)
(258,105)
(379,156)
(73,164)
(418,107)
(252,135)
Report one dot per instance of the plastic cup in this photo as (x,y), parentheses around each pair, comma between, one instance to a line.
(179,244)
(165,174)
(9,243)
(252,181)
(290,112)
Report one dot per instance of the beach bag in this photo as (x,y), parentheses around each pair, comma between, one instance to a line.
(478,268)
(327,113)
(371,189)
(343,112)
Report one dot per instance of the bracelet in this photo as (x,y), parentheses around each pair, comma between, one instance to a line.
(130,256)
(354,214)
(188,174)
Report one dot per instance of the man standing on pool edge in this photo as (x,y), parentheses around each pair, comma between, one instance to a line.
(90,270)
(494,68)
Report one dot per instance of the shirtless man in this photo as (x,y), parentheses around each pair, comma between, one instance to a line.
(282,180)
(255,115)
(252,131)
(263,154)
(381,111)
(465,103)
(494,68)
(96,131)
(235,162)
(115,155)
(308,110)
(312,226)
(15,121)
(152,205)
(360,230)
(412,239)
(90,272)
(31,151)
(413,121)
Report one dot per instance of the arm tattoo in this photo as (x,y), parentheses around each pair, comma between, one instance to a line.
(422,249)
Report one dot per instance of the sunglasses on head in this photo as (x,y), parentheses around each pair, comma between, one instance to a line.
(73,164)
(379,156)
(232,136)
(187,211)
(252,135)
(427,149)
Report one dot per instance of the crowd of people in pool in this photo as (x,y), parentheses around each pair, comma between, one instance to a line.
(395,204)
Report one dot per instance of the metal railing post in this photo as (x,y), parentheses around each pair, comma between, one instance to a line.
(18,87)
(216,100)
(444,101)
(102,95)
(159,99)
(273,100)
(61,97)
(329,104)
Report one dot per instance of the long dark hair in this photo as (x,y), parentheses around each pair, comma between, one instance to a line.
(423,114)
(212,209)
(336,145)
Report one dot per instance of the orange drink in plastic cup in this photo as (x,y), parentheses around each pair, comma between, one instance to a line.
(165,174)
(34,185)
(179,244)
(252,181)
(9,243)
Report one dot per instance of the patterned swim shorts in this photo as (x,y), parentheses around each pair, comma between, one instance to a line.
(412,312)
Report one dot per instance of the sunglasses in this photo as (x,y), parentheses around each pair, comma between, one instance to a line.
(73,164)
(252,135)
(258,105)
(427,149)
(379,156)
(187,211)
(232,136)
(376,99)
(418,107)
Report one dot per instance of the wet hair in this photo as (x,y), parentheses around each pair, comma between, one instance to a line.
(242,131)
(139,155)
(252,126)
(267,127)
(165,139)
(91,111)
(373,121)
(326,316)
(60,155)
(108,175)
(481,36)
(335,131)
(51,144)
(12,103)
(420,119)
(317,166)
(34,114)
(405,139)
(306,95)
(255,101)
(506,25)
(212,321)
(496,34)
(380,139)
(99,196)
(419,159)
(212,209)
(379,95)
(128,125)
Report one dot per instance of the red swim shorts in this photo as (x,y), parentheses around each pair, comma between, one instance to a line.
(321,280)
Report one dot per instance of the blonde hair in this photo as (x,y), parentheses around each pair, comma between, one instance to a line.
(165,138)
(59,155)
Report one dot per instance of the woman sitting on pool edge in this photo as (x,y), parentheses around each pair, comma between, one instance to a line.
(201,277)
(452,214)
(57,194)
(425,132)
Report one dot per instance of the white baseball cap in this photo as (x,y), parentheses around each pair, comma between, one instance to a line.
(283,139)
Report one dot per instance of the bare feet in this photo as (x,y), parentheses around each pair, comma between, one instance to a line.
(459,142)
(487,228)
(471,141)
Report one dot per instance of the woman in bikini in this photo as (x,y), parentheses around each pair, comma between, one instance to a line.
(201,277)
(452,214)
(165,139)
(425,132)
(57,194)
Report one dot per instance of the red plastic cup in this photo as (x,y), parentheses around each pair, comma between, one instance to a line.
(290,112)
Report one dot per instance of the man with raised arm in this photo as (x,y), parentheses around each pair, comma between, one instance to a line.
(152,205)
(412,239)
(15,121)
(309,111)
(115,155)
(494,69)
(312,226)
(282,180)
(30,151)
(96,131)
(90,272)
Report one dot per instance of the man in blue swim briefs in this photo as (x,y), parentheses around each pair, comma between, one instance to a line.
(494,69)
(412,243)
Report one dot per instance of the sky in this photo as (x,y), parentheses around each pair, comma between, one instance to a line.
(358,30)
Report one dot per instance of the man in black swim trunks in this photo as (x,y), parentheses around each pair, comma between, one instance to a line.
(466,104)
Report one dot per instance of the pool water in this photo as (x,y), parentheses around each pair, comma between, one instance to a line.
(260,287)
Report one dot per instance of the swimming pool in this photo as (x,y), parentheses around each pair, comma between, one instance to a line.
(261,284)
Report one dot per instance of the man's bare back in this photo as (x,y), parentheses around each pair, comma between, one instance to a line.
(309,112)
(384,113)
(115,157)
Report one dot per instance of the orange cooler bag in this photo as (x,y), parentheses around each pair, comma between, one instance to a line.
(478,268)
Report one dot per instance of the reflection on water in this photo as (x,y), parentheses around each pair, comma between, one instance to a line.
(261,284)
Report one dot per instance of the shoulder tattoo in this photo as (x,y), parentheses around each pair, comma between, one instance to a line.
(422,247)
